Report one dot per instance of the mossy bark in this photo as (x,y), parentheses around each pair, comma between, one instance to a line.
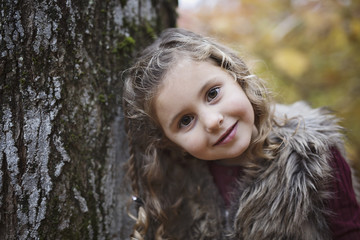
(62,142)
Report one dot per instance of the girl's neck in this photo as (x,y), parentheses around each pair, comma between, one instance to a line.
(237,161)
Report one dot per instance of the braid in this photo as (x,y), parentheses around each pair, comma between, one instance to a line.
(152,202)
(140,225)
(132,174)
(132,171)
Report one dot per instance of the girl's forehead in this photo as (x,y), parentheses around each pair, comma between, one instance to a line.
(184,65)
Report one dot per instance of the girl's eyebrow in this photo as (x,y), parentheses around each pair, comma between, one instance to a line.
(208,83)
(173,119)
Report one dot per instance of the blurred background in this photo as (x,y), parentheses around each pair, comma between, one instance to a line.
(305,49)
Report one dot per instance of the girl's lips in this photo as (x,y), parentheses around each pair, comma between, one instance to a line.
(228,135)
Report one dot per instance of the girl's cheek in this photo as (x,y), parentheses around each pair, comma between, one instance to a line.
(184,142)
(193,145)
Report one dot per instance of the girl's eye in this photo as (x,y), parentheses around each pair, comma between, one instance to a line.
(185,121)
(212,93)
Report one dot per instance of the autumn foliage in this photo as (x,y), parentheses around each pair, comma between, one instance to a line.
(306,49)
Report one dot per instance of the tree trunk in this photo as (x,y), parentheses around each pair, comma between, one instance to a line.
(62,143)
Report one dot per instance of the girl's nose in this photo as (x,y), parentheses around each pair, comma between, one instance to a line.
(213,121)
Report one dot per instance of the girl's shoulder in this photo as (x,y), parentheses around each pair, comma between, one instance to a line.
(301,113)
(299,123)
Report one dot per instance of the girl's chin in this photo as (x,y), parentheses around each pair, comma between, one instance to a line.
(238,158)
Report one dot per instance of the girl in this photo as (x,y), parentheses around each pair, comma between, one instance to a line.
(211,157)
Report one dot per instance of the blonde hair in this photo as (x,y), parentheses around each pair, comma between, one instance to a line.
(151,156)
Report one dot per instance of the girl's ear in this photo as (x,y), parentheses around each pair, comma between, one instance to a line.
(185,154)
(165,142)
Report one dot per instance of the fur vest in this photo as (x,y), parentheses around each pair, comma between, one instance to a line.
(282,199)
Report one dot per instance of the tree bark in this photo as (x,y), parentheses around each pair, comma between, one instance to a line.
(62,143)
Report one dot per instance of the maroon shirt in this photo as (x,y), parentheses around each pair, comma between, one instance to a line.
(345,221)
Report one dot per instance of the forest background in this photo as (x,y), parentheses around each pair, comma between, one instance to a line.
(305,49)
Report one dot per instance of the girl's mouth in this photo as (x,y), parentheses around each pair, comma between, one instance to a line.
(228,135)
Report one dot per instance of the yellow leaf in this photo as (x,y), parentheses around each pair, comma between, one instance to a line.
(355,27)
(291,61)
(221,24)
(338,37)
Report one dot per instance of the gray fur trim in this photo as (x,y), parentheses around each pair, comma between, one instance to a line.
(284,198)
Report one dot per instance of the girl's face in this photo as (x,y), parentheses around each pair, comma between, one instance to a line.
(203,110)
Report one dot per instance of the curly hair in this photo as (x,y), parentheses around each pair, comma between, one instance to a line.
(152,155)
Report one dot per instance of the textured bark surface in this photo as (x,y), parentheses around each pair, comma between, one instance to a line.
(62,142)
